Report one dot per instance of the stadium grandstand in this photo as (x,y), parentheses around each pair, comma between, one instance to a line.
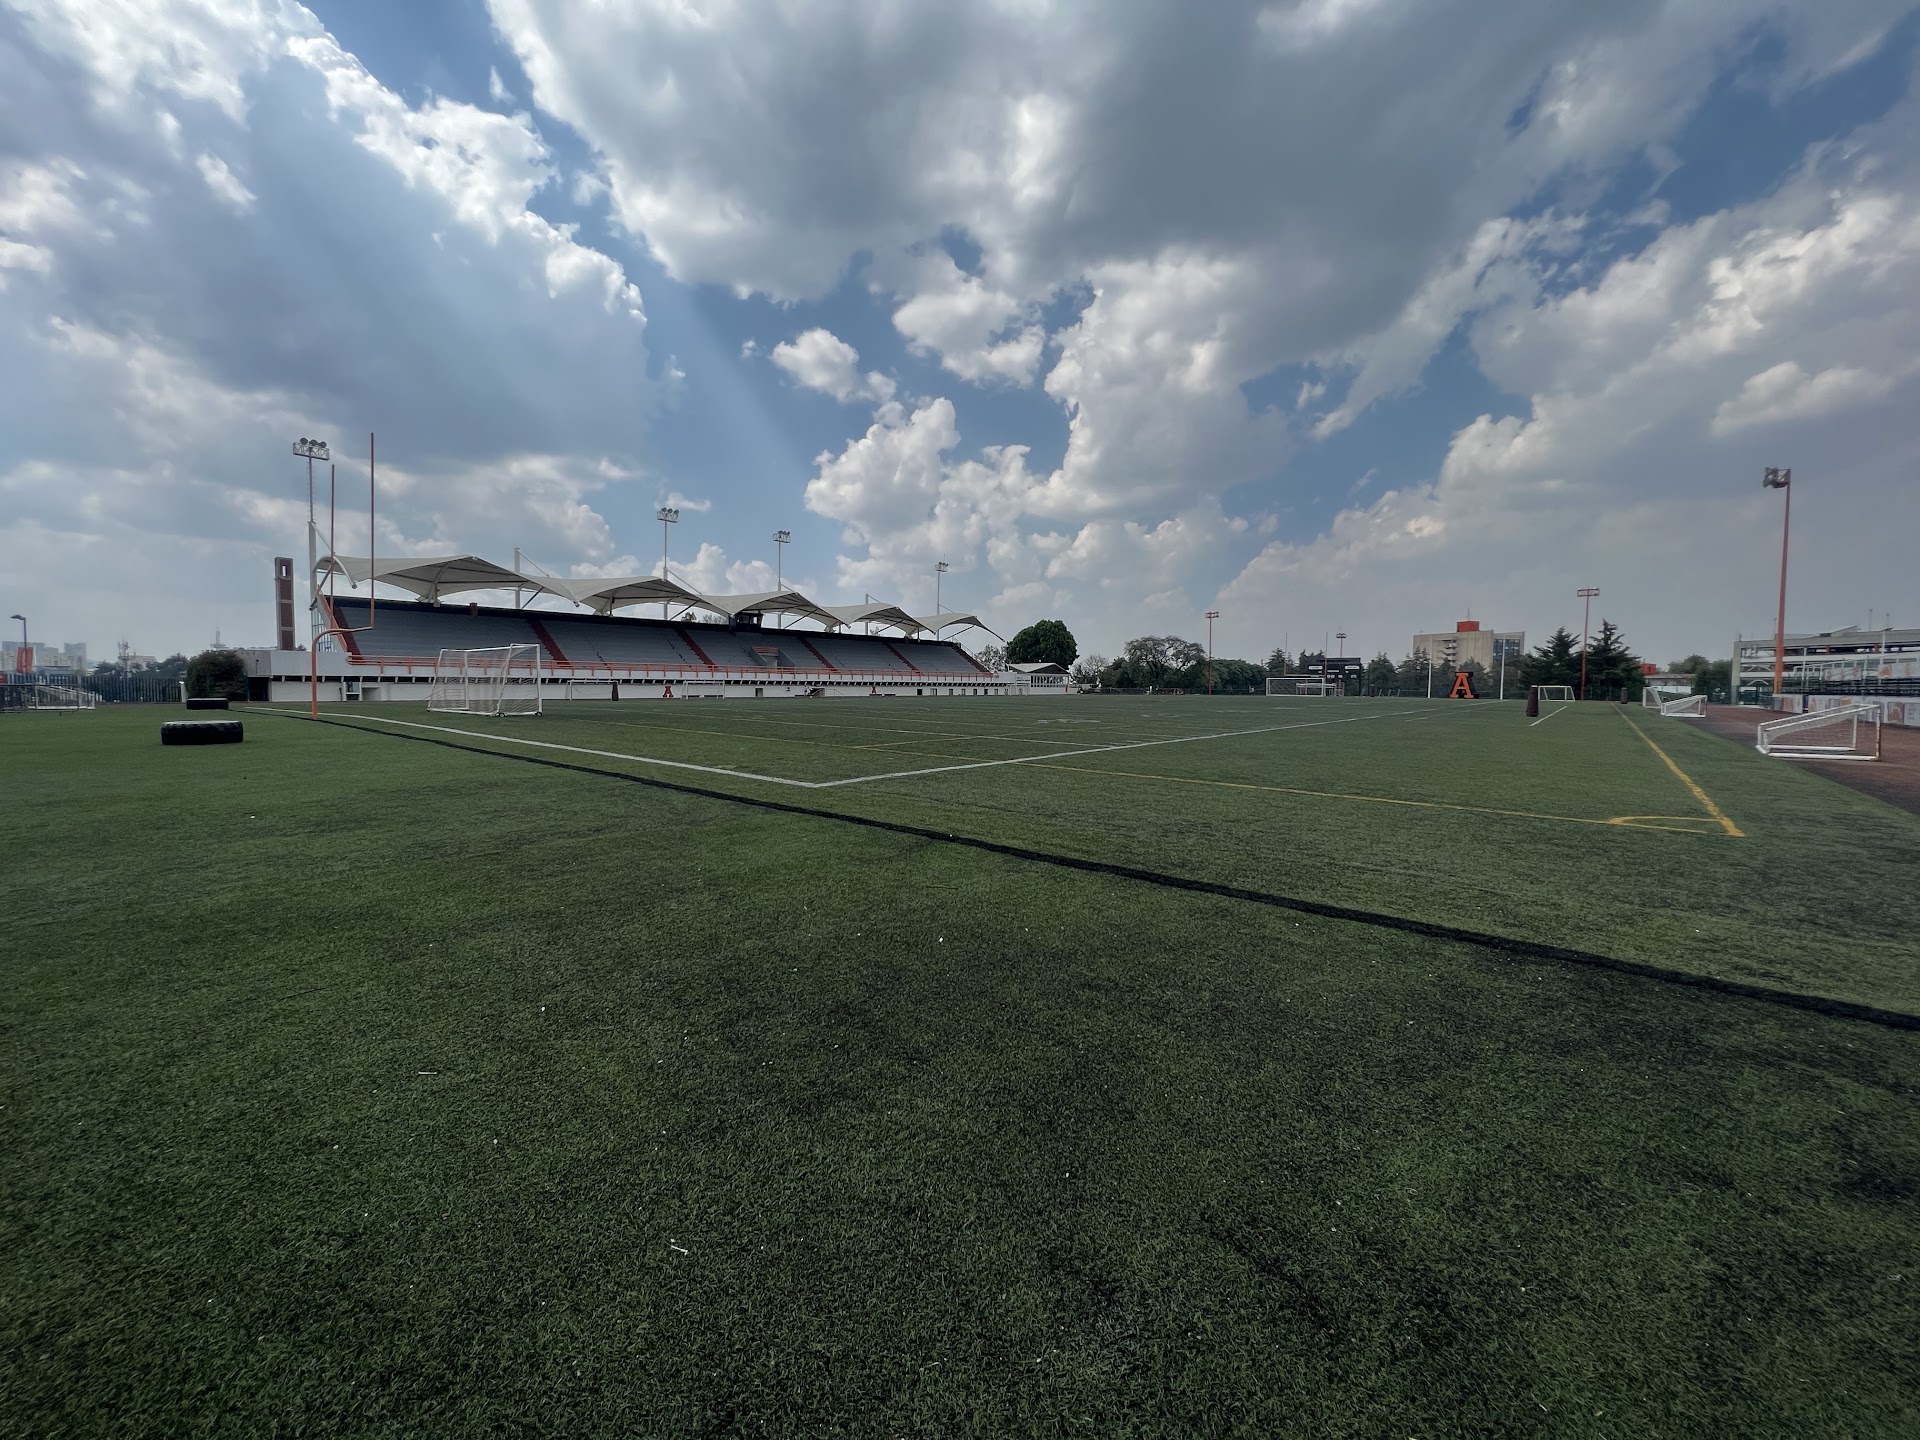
(773,644)
(1834,669)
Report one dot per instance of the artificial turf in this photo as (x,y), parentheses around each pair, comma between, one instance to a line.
(355,1084)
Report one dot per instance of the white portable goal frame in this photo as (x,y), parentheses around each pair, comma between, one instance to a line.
(1308,685)
(60,697)
(1555,694)
(1823,734)
(1687,707)
(491,680)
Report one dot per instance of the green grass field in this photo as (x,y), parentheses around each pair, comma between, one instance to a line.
(973,1067)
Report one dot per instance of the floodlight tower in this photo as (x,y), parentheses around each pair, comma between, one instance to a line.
(1774,478)
(1212,615)
(666,515)
(940,568)
(310,451)
(781,539)
(1341,636)
(1586,593)
(23,626)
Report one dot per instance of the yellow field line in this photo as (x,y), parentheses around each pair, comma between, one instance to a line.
(1705,799)
(1630,822)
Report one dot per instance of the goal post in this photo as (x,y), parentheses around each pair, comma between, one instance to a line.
(1848,732)
(1555,694)
(493,680)
(1687,707)
(1309,685)
(60,697)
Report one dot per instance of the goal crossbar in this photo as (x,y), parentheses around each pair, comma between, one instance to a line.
(1849,732)
(60,697)
(490,680)
(1310,685)
(1555,694)
(1687,707)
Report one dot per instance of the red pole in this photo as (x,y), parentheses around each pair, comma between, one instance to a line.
(1780,621)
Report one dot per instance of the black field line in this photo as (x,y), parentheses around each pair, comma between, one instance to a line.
(1499,944)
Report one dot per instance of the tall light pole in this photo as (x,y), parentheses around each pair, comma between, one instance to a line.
(1774,478)
(666,515)
(940,568)
(310,451)
(1341,636)
(780,540)
(1212,615)
(23,626)
(1586,593)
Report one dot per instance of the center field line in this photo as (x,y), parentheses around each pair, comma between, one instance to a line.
(1705,799)
(1563,705)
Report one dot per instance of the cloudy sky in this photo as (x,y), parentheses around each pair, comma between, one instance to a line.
(1357,315)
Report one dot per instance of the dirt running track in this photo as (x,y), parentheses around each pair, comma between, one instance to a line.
(1894,778)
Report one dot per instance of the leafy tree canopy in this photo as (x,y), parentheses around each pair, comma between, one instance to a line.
(1043,642)
(217,673)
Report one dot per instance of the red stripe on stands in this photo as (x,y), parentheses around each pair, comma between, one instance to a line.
(815,653)
(693,645)
(902,659)
(547,642)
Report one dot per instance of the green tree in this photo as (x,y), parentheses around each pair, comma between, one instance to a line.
(1043,642)
(1155,659)
(1277,662)
(1613,671)
(1713,679)
(1555,663)
(1692,665)
(1089,669)
(994,657)
(217,673)
(1381,677)
(1413,673)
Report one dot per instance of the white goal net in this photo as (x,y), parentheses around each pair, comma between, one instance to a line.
(1850,732)
(496,680)
(60,697)
(1311,685)
(1552,694)
(1687,707)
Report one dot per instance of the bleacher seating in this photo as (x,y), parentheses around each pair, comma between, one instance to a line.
(586,642)
(859,652)
(937,657)
(409,631)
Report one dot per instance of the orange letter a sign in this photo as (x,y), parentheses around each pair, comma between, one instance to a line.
(1463,686)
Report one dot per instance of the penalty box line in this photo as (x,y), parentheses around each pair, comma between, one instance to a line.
(857,779)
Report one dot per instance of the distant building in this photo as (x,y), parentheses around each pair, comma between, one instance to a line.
(1452,649)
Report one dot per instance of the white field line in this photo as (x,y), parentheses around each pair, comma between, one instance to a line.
(857,779)
(1563,705)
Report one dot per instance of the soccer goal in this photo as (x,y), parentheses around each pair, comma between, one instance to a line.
(496,680)
(1311,685)
(1687,707)
(1850,732)
(1555,694)
(60,697)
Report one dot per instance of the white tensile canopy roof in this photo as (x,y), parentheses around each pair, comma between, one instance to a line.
(770,602)
(428,576)
(876,614)
(607,594)
(937,623)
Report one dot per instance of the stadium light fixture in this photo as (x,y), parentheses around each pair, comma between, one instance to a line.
(1586,593)
(23,626)
(1212,615)
(1341,636)
(666,515)
(940,568)
(781,539)
(1775,478)
(310,451)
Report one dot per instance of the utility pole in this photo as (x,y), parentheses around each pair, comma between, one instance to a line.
(1212,615)
(1586,593)
(1774,478)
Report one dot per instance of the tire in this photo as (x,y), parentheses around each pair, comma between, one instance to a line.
(201,732)
(207,702)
